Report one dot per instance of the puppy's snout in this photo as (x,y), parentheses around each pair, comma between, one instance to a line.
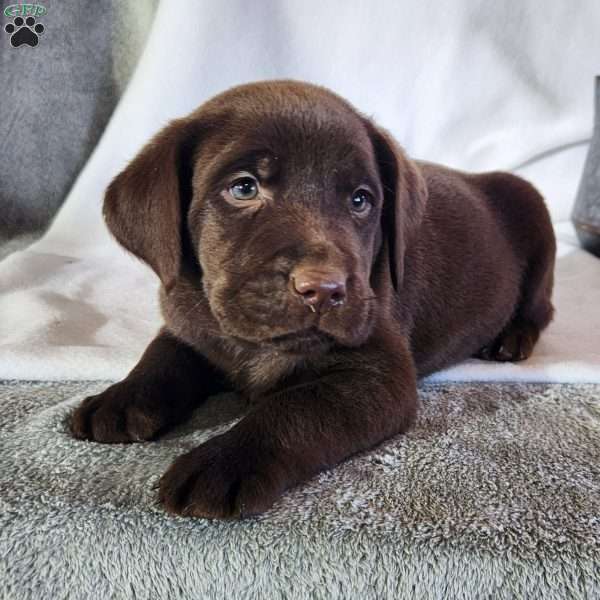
(320,290)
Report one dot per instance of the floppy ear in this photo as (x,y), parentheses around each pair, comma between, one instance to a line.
(405,197)
(146,204)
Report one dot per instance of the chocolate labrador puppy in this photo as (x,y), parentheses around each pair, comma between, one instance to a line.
(309,264)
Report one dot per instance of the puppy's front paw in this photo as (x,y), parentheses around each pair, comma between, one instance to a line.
(128,411)
(229,476)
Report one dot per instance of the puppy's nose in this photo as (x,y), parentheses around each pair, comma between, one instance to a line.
(320,290)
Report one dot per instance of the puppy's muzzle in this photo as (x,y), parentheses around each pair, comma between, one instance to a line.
(319,289)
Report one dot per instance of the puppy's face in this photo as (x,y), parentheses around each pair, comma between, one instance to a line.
(280,195)
(285,221)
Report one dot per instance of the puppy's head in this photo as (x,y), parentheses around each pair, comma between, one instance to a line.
(292,210)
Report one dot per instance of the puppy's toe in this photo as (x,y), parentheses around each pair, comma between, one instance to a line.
(486,353)
(80,423)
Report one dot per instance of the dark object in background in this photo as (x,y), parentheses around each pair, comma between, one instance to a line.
(586,212)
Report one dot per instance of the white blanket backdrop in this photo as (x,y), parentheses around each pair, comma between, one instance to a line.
(473,84)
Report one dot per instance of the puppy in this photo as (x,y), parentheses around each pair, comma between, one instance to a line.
(309,264)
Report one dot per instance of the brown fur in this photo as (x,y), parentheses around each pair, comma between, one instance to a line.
(446,265)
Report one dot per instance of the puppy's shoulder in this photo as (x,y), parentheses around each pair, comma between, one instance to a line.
(451,193)
(447,184)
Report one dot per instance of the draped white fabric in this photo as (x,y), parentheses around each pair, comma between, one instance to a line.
(473,84)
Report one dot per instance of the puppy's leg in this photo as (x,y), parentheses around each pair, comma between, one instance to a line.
(168,382)
(368,395)
(533,314)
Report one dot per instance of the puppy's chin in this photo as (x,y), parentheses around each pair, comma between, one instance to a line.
(310,341)
(299,331)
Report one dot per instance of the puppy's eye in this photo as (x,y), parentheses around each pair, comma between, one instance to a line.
(244,188)
(361,202)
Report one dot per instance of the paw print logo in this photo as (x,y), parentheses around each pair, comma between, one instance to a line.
(24,31)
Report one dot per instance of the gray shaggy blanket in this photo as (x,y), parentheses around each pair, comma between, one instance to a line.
(494,494)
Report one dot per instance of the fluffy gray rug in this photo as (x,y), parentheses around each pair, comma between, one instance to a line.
(495,494)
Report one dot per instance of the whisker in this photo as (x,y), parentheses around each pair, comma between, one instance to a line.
(194,307)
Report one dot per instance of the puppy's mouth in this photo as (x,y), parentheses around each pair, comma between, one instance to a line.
(304,341)
(266,315)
